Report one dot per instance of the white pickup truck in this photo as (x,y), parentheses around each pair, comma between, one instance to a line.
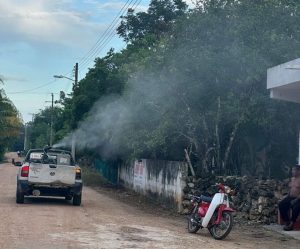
(49,172)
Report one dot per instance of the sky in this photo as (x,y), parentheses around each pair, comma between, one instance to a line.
(43,38)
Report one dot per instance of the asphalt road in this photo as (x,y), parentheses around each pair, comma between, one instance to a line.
(103,221)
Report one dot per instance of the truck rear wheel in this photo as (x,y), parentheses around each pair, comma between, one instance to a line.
(77,200)
(19,196)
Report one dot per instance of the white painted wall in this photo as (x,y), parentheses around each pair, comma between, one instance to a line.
(164,180)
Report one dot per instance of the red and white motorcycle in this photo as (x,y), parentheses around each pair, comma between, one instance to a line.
(212,213)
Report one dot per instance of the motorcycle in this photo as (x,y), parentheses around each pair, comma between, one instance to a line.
(212,213)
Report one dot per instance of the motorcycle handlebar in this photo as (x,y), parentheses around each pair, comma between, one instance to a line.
(224,188)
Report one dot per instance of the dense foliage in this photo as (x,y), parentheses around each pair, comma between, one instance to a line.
(196,80)
(10,123)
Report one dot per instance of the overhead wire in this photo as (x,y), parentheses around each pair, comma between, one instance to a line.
(100,44)
(111,26)
(37,93)
(30,90)
(106,40)
(112,33)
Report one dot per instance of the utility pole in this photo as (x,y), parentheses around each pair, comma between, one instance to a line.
(26,133)
(73,144)
(25,137)
(76,76)
(51,122)
(73,147)
(75,81)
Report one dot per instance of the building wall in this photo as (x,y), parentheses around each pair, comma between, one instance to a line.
(284,81)
(162,180)
(283,74)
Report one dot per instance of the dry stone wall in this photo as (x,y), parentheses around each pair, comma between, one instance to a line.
(255,201)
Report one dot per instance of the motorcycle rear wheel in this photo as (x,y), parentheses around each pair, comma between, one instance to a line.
(220,231)
(193,226)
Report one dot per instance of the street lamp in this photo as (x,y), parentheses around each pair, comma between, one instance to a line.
(75,83)
(25,137)
(62,76)
(65,77)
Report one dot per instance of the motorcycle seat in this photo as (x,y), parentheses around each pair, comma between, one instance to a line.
(206,198)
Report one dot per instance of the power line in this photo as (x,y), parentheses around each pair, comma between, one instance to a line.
(100,44)
(39,93)
(87,55)
(111,33)
(38,87)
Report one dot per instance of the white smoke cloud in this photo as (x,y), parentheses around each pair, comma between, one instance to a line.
(112,118)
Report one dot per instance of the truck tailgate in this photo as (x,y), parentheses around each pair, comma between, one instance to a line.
(51,174)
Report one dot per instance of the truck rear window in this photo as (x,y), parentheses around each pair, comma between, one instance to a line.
(36,157)
(60,159)
(63,159)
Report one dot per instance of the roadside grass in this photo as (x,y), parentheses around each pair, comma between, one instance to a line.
(91,177)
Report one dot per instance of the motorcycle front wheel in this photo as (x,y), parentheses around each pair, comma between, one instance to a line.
(193,225)
(220,231)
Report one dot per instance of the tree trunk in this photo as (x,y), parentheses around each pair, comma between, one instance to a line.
(189,162)
(229,146)
(218,147)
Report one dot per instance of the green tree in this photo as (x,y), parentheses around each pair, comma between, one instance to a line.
(10,123)
(194,80)
(39,128)
(212,69)
(158,19)
(104,79)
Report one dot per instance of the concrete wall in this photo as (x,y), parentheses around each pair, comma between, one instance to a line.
(162,180)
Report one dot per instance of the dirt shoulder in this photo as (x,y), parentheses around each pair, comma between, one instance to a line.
(245,234)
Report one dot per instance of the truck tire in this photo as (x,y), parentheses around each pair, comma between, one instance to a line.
(77,200)
(19,196)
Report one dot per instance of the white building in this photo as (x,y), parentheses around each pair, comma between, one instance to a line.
(284,83)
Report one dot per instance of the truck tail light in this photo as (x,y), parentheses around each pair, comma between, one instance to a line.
(78,174)
(25,171)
